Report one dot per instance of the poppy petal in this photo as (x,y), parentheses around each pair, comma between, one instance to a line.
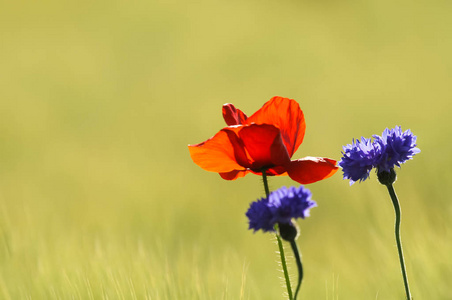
(216,154)
(233,175)
(240,154)
(264,145)
(233,116)
(285,114)
(311,169)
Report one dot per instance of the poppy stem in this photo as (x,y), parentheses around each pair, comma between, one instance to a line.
(283,263)
(396,204)
(264,179)
(280,245)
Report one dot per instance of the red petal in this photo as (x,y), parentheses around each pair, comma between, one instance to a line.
(216,154)
(232,115)
(285,114)
(311,169)
(264,145)
(240,154)
(233,175)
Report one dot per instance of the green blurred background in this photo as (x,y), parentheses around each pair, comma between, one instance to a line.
(99,198)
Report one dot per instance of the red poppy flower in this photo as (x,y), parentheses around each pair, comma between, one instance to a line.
(264,141)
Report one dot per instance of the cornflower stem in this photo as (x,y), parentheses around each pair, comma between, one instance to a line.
(396,204)
(299,266)
(280,245)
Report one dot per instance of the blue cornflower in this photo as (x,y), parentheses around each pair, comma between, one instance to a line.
(396,148)
(358,159)
(391,149)
(280,207)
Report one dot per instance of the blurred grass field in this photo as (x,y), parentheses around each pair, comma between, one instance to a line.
(99,198)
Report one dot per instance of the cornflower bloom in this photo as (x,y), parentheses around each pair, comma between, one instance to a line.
(278,211)
(393,148)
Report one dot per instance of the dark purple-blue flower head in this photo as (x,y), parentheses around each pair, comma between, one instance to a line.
(397,147)
(280,207)
(391,149)
(358,159)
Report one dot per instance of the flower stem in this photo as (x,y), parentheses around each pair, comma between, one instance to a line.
(396,204)
(280,245)
(264,179)
(299,266)
(283,263)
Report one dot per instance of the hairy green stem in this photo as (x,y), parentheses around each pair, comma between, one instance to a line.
(284,264)
(280,245)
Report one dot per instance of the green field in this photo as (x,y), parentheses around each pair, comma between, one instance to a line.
(99,198)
